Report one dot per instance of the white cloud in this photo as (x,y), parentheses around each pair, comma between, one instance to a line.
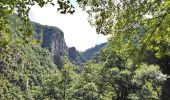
(77,30)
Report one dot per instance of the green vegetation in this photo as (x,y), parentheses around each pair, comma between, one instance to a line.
(139,31)
(133,66)
(92,52)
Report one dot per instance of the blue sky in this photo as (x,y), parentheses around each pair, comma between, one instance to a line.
(77,30)
(74,3)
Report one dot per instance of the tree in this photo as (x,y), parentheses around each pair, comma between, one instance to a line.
(26,70)
(138,28)
(149,80)
(51,88)
(68,78)
(125,80)
(87,87)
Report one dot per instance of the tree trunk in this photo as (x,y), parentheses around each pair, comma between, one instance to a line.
(165,67)
(166,90)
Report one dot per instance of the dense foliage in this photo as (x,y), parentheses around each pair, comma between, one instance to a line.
(133,65)
(139,30)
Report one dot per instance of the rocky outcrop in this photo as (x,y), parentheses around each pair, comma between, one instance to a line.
(52,38)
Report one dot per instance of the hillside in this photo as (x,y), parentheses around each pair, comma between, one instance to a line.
(28,70)
(91,52)
(75,57)
(37,64)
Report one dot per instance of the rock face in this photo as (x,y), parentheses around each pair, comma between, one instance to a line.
(52,38)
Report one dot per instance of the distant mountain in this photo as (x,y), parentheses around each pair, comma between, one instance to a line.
(52,38)
(93,52)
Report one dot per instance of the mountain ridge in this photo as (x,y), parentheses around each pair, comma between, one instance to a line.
(90,52)
(52,38)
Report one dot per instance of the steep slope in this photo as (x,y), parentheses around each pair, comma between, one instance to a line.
(52,38)
(24,68)
(94,51)
(75,57)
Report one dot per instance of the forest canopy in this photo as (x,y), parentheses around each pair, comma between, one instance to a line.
(139,30)
(133,66)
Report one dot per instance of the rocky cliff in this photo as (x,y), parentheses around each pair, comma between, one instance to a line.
(52,38)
